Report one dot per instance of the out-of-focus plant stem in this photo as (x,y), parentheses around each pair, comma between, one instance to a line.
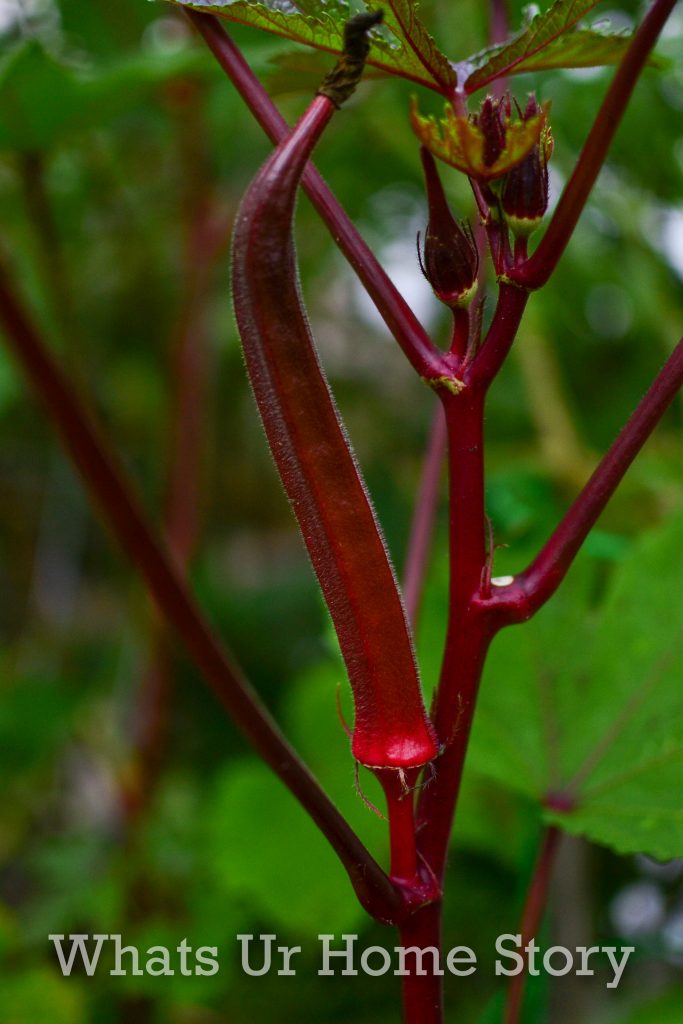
(564,454)
(422,993)
(120,509)
(532,916)
(207,228)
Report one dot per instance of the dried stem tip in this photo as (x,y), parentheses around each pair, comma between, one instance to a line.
(341,82)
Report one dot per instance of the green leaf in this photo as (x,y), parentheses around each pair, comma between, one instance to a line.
(401,46)
(405,24)
(543,30)
(322,29)
(589,706)
(580,48)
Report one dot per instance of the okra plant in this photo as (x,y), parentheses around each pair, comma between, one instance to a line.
(484,264)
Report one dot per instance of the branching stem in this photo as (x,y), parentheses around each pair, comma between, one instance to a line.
(540,580)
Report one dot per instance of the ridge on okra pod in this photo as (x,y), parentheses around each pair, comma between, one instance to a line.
(311,449)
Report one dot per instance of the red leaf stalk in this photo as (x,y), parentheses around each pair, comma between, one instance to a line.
(536,585)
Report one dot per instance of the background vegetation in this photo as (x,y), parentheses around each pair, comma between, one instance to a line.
(130,803)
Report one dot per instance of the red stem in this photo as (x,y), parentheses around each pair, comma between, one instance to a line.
(461,333)
(499,25)
(424,516)
(396,313)
(501,334)
(499,29)
(121,511)
(536,271)
(539,582)
(207,230)
(532,914)
(453,714)
(399,789)
(468,631)
(464,414)
(422,994)
(209,236)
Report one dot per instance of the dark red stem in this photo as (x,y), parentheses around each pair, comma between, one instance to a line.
(424,516)
(536,271)
(121,511)
(501,334)
(499,22)
(453,714)
(422,994)
(207,225)
(399,790)
(532,915)
(209,237)
(460,335)
(468,630)
(539,582)
(399,318)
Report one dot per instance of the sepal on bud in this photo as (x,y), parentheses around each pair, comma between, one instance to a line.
(450,260)
(485,145)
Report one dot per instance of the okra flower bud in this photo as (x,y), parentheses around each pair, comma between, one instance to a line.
(492,121)
(450,260)
(485,145)
(524,197)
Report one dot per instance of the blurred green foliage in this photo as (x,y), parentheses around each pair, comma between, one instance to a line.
(115,126)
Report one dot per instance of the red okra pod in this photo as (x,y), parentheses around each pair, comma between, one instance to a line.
(312,451)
